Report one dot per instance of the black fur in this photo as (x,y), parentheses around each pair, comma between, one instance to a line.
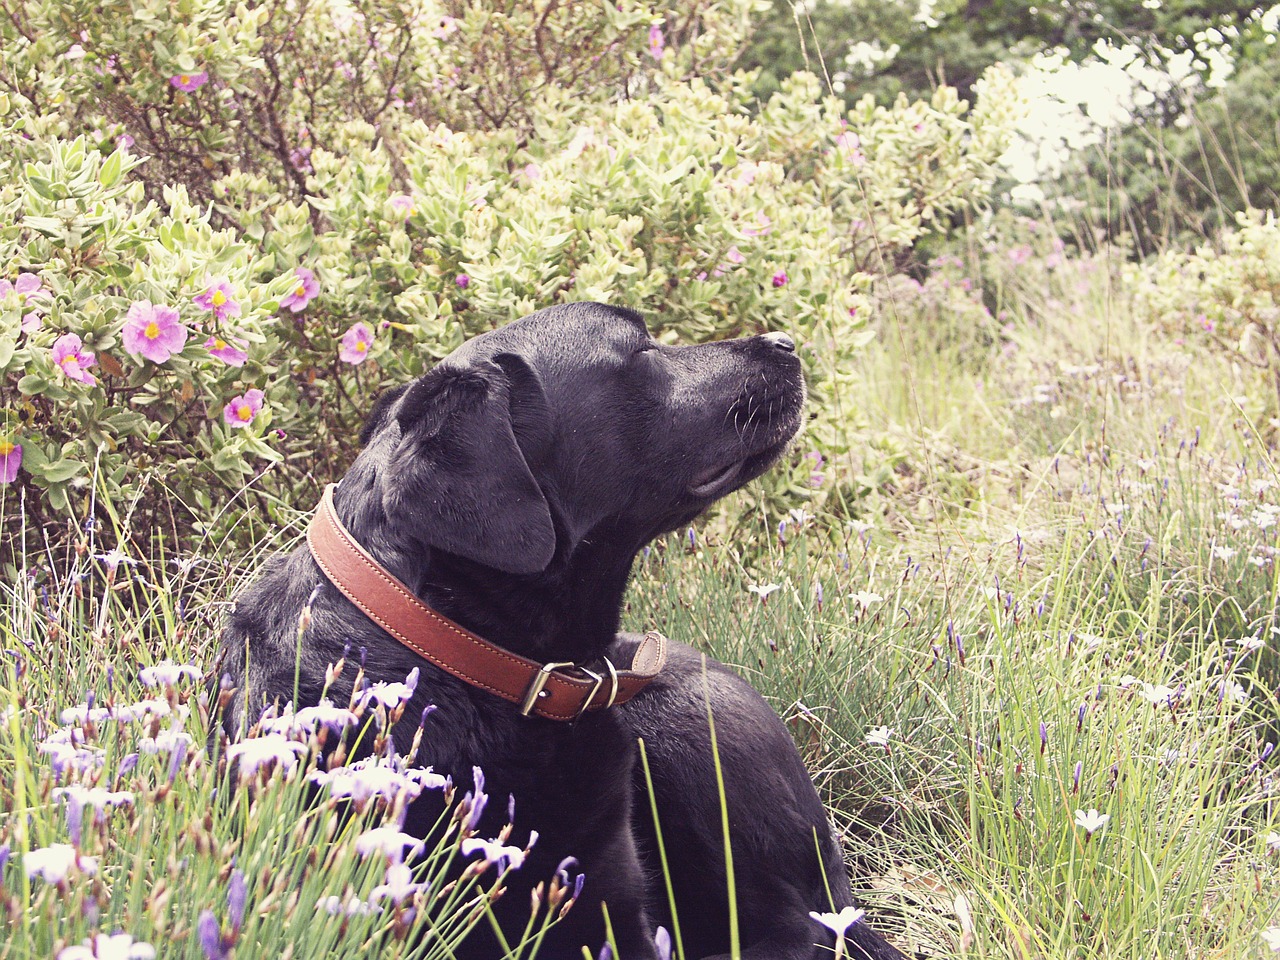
(511,488)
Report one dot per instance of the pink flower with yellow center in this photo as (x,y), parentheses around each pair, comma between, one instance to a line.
(10,460)
(73,361)
(218,298)
(403,206)
(153,331)
(227,351)
(657,43)
(189,82)
(241,410)
(307,289)
(355,343)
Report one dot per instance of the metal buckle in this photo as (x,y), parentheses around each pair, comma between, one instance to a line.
(537,683)
(542,676)
(613,684)
(586,701)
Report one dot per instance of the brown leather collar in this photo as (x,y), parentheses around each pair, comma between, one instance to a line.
(557,691)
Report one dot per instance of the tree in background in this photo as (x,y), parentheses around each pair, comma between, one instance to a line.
(913,46)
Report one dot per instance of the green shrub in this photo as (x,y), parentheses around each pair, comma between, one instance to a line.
(1227,296)
(449,209)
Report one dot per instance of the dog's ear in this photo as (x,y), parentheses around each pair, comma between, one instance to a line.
(377,417)
(460,478)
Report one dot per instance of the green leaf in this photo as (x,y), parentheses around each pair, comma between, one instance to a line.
(59,471)
(42,186)
(111,171)
(32,384)
(228,460)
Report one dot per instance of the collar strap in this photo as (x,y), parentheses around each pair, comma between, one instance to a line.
(556,691)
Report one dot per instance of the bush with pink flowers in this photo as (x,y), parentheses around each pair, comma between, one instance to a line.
(222,232)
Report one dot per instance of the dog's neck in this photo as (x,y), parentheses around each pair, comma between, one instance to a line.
(569,612)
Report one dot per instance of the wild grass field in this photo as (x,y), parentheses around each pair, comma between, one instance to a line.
(1058,598)
(1014,592)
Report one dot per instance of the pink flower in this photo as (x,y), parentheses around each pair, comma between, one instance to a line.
(218,298)
(657,43)
(27,285)
(10,460)
(189,82)
(242,409)
(355,344)
(31,322)
(72,361)
(735,255)
(462,280)
(403,206)
(153,332)
(308,289)
(848,144)
(780,279)
(760,228)
(227,352)
(1020,255)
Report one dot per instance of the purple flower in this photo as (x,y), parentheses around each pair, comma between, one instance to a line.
(399,886)
(391,695)
(307,289)
(355,344)
(250,755)
(462,280)
(99,798)
(240,411)
(189,82)
(839,923)
(390,842)
(780,279)
(73,361)
(120,946)
(657,43)
(219,299)
(31,322)
(10,460)
(166,741)
(153,332)
(237,894)
(226,351)
(495,852)
(662,941)
(210,935)
(166,673)
(369,778)
(310,719)
(55,863)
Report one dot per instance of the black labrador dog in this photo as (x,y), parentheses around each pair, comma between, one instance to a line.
(510,489)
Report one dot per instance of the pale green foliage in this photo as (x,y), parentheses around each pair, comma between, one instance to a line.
(1228,292)
(548,155)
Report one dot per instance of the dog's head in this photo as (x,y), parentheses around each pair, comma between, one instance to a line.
(525,440)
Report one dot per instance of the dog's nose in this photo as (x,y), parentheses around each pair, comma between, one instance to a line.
(781,341)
